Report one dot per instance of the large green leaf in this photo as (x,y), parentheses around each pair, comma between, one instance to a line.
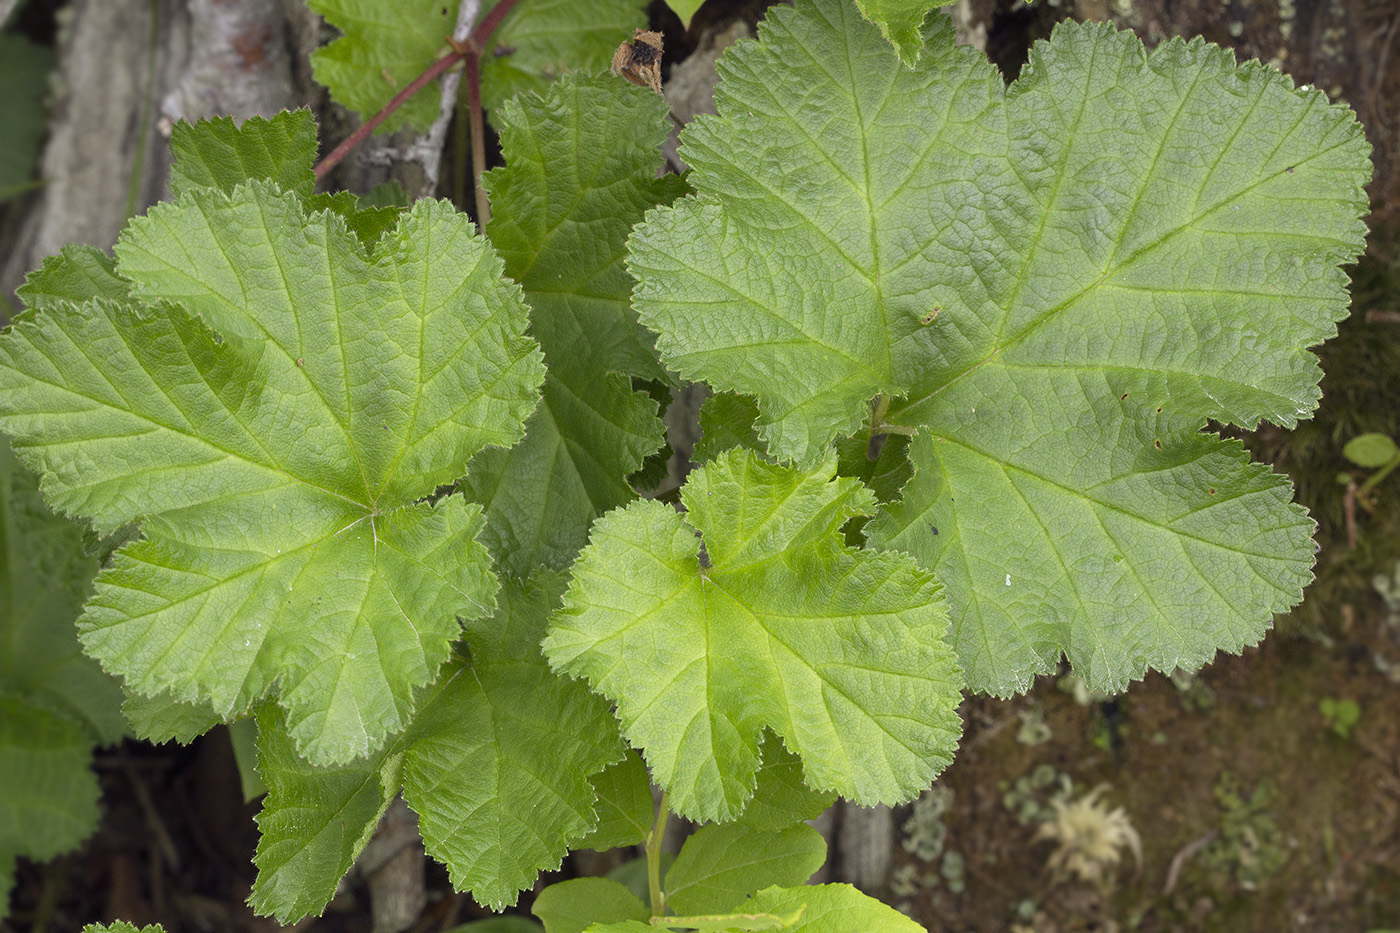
(385,46)
(777,624)
(581,166)
(1060,282)
(48,793)
(275,468)
(496,764)
(45,574)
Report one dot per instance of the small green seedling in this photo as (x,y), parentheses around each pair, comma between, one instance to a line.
(1341,715)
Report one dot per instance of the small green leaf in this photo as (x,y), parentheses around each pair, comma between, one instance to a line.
(830,908)
(121,926)
(901,22)
(1371,450)
(625,807)
(217,153)
(685,9)
(572,906)
(721,864)
(840,652)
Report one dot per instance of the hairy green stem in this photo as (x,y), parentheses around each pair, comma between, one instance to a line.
(653,847)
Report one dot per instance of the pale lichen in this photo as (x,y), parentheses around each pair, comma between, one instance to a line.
(1089,839)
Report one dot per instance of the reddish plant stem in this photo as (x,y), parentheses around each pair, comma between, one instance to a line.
(478,125)
(470,52)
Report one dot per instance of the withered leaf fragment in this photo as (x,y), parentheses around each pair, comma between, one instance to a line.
(639,61)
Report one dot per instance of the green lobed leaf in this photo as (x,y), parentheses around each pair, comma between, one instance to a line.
(24,73)
(579,903)
(1060,281)
(540,40)
(901,22)
(581,165)
(163,719)
(275,467)
(76,274)
(781,798)
(496,764)
(625,808)
(726,421)
(383,48)
(48,793)
(779,625)
(722,863)
(121,926)
(45,574)
(386,46)
(218,153)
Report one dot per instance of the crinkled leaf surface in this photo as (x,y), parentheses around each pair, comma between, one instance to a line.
(384,47)
(48,793)
(840,652)
(77,273)
(625,807)
(387,45)
(781,797)
(45,575)
(581,166)
(722,863)
(540,40)
(1062,280)
(218,153)
(275,467)
(496,764)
